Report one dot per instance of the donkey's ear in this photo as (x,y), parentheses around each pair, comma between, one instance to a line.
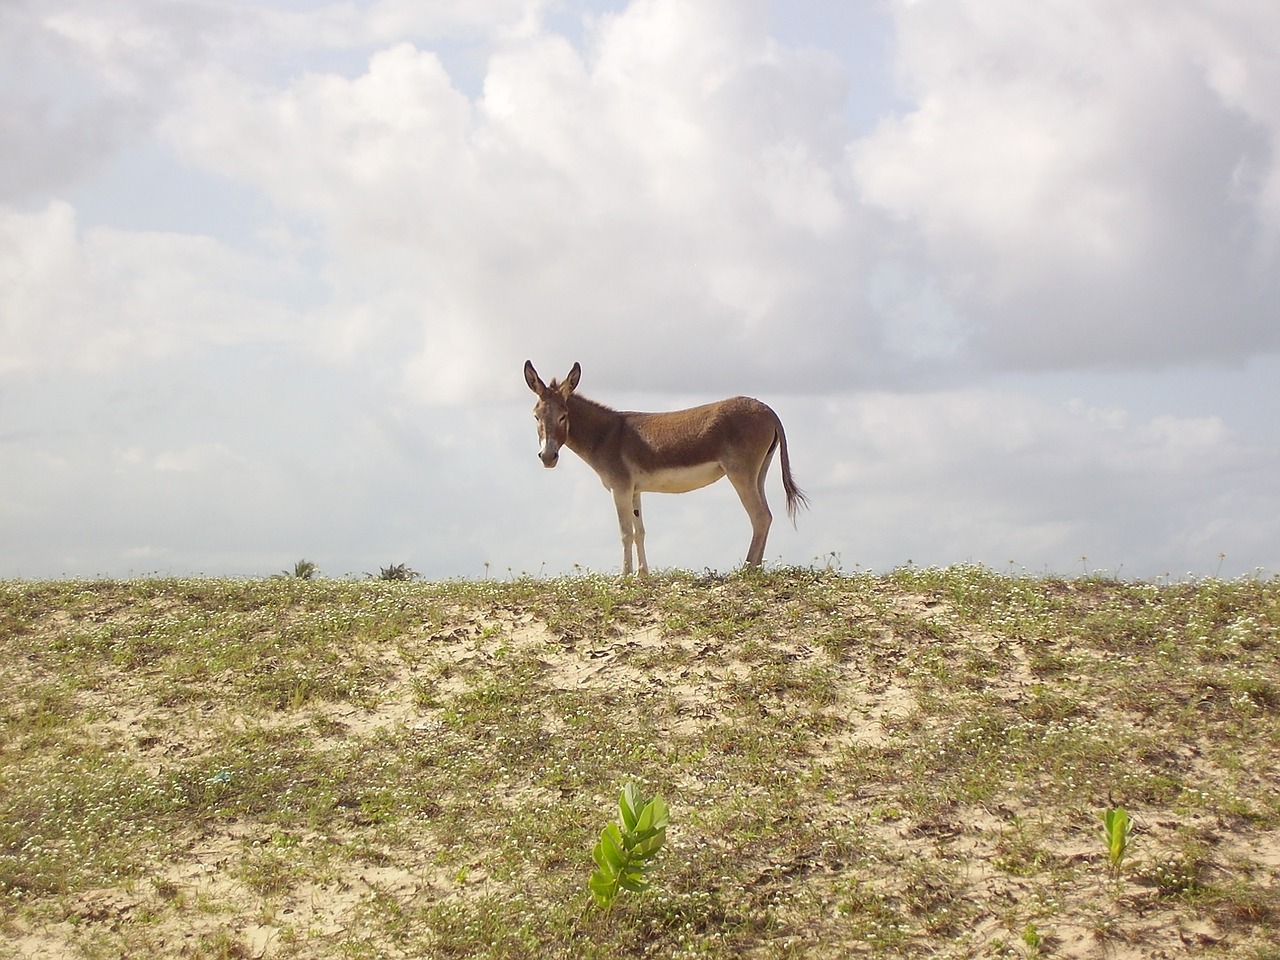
(571,381)
(532,379)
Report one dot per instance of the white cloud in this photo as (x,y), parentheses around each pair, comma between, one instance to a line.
(85,81)
(103,298)
(586,192)
(385,22)
(364,154)
(198,457)
(1092,181)
(1073,185)
(996,477)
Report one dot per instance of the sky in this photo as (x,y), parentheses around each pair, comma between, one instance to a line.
(270,271)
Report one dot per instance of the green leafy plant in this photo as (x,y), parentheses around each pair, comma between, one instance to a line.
(397,571)
(303,570)
(1116,827)
(623,854)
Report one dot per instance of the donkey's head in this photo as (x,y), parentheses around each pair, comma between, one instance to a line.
(551,411)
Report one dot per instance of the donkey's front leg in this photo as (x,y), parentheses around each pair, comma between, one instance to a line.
(637,529)
(622,500)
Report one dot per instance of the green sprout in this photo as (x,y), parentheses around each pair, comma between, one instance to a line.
(1116,827)
(622,856)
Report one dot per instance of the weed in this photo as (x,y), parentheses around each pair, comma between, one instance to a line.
(1116,827)
(303,570)
(1032,938)
(1176,875)
(397,572)
(622,855)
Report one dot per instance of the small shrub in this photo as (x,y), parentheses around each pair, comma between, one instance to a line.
(303,570)
(398,571)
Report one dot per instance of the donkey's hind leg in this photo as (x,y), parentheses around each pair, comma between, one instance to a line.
(750,489)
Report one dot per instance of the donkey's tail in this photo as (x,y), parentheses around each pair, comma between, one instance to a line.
(796,498)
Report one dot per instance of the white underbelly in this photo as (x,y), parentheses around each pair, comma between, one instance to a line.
(679,479)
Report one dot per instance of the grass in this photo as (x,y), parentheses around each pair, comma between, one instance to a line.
(900,765)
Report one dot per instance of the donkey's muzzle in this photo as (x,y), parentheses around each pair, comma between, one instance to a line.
(549,459)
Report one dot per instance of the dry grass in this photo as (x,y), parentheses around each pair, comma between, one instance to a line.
(897,766)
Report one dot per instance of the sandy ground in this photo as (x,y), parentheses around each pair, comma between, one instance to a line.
(202,907)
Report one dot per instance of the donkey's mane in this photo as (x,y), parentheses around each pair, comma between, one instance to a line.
(579,398)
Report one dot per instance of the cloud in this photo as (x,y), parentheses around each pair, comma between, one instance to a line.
(85,81)
(669,178)
(1088,185)
(1068,187)
(58,125)
(994,477)
(190,459)
(105,298)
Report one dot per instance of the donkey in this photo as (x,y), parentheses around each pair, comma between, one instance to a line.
(675,452)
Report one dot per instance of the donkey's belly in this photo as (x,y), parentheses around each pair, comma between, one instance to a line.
(679,479)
